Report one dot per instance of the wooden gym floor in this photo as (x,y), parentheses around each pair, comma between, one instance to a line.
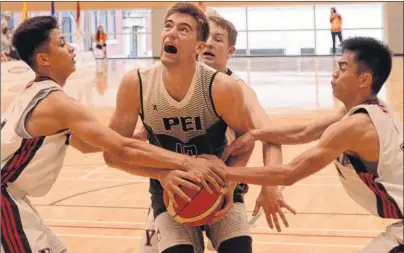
(96,209)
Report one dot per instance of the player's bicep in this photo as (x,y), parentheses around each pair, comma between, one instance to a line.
(125,116)
(316,128)
(82,146)
(259,117)
(230,104)
(79,119)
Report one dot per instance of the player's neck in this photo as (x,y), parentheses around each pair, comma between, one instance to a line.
(55,77)
(222,69)
(178,78)
(358,101)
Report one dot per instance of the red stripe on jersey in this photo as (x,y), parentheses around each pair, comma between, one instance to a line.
(10,209)
(21,158)
(388,207)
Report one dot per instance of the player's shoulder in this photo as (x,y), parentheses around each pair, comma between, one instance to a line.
(150,69)
(353,125)
(360,118)
(131,76)
(206,67)
(231,73)
(223,79)
(131,80)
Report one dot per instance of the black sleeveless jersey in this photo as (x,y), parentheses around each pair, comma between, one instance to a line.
(190,126)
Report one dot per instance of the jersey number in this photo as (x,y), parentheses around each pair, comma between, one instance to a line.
(186,149)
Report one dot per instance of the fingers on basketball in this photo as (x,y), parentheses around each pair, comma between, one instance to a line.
(199,211)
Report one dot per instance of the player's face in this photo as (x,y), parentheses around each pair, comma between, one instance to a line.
(60,56)
(347,83)
(217,50)
(179,40)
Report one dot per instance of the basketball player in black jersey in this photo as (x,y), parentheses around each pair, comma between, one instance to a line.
(220,46)
(228,109)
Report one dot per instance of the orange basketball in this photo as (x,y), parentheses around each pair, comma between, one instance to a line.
(199,211)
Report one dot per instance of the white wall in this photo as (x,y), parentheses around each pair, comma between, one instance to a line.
(393,25)
(158,15)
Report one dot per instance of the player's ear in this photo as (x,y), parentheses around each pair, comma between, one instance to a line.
(231,51)
(200,47)
(365,80)
(42,59)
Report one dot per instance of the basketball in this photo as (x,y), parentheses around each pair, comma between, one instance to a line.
(199,211)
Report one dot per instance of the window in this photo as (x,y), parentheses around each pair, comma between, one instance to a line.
(87,30)
(236,15)
(95,24)
(281,42)
(280,17)
(104,20)
(241,43)
(112,28)
(67,26)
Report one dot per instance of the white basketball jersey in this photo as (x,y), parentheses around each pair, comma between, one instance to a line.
(30,164)
(380,191)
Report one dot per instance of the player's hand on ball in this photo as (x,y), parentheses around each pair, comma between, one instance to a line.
(209,171)
(239,146)
(272,201)
(228,204)
(171,180)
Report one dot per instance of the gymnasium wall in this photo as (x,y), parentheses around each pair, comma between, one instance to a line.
(393,26)
(387,24)
(62,6)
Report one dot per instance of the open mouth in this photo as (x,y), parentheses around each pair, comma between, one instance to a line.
(170,49)
(208,54)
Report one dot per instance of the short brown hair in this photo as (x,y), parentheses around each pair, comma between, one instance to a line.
(190,9)
(228,26)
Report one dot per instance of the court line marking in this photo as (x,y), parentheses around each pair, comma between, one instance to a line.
(261,228)
(254,242)
(147,208)
(88,191)
(92,172)
(252,233)
(147,180)
(109,170)
(105,180)
(103,171)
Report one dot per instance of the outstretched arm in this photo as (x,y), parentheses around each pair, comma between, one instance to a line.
(298,134)
(83,146)
(58,111)
(279,134)
(335,140)
(69,113)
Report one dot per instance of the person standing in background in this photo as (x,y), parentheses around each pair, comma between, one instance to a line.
(336,28)
(5,19)
(6,47)
(101,40)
